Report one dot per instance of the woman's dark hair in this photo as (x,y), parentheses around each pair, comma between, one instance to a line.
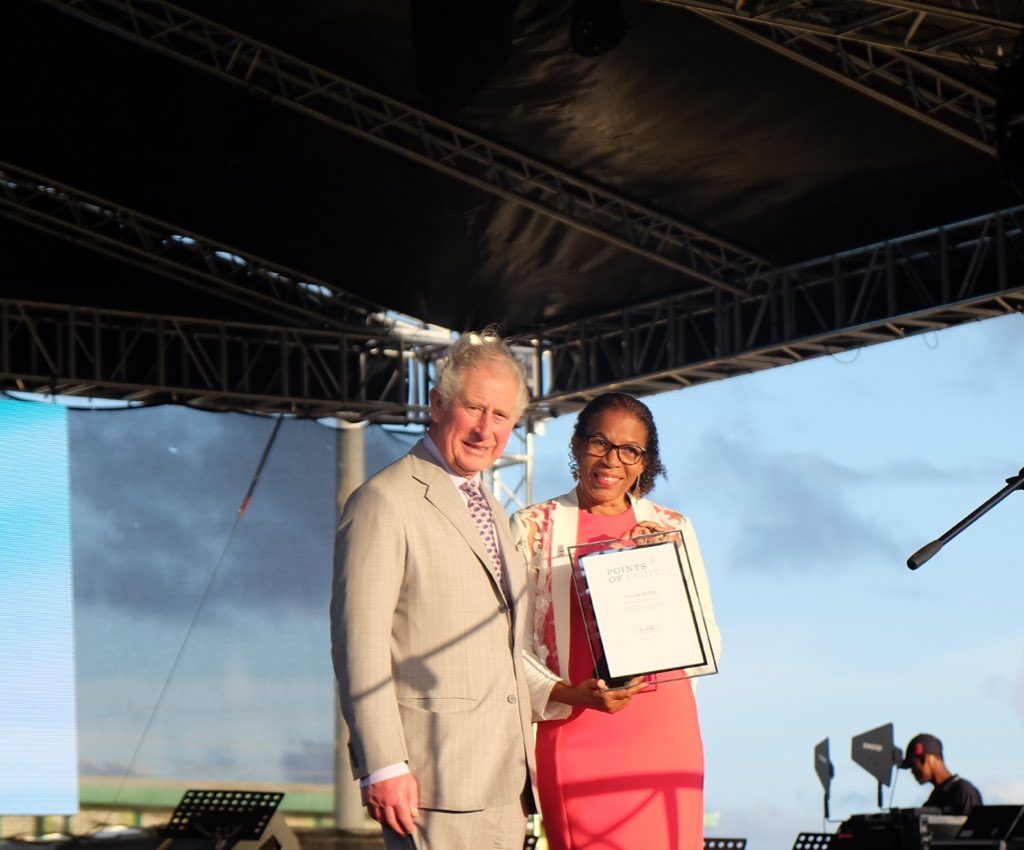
(605,403)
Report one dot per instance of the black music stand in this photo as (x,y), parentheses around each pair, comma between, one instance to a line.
(813,841)
(221,817)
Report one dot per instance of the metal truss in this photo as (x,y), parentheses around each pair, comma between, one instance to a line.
(58,349)
(926,281)
(934,61)
(749,316)
(53,349)
(125,234)
(511,478)
(890,290)
(981,33)
(395,126)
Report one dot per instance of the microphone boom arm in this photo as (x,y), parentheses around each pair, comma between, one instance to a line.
(930,549)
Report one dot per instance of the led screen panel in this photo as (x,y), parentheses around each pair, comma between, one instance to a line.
(38,752)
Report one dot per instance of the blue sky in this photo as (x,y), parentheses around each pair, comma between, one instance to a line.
(809,486)
(203,646)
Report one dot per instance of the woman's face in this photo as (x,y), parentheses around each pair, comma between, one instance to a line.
(604,481)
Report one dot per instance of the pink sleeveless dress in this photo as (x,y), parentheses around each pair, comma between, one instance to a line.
(627,781)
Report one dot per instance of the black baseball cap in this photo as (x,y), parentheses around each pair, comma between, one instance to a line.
(919,746)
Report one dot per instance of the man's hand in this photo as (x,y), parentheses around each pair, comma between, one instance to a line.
(394,803)
(593,693)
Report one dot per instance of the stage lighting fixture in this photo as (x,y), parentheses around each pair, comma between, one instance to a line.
(596,26)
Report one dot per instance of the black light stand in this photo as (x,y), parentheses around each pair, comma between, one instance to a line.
(926,552)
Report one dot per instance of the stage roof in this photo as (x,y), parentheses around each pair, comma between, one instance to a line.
(686,117)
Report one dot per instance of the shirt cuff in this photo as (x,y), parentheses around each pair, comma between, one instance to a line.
(389,772)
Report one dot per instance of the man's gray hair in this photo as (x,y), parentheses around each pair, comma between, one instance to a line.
(480,350)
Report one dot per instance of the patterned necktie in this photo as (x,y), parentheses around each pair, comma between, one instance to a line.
(484,519)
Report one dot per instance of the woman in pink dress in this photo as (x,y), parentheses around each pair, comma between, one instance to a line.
(617,769)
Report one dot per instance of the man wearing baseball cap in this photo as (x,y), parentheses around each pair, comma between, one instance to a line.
(953,794)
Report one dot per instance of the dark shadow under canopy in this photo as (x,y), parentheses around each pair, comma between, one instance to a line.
(681,116)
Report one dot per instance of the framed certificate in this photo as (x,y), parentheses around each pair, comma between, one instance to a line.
(641,609)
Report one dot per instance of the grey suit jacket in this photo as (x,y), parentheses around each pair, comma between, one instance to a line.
(426,647)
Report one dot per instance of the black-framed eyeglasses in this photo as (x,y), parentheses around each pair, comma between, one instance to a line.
(628,453)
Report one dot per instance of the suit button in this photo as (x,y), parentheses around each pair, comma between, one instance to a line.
(512,699)
(503,609)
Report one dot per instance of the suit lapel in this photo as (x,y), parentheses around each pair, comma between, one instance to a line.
(441,493)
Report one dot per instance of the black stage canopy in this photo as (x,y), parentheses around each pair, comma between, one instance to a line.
(702,151)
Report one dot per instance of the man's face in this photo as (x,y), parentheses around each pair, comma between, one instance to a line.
(922,768)
(472,431)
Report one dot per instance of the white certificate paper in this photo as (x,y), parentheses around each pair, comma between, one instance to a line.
(644,611)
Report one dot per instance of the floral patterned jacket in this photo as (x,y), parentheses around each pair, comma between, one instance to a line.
(544,532)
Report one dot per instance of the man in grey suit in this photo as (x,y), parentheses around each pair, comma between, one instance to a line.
(428,619)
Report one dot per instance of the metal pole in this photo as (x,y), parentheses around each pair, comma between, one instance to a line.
(529,461)
(348,806)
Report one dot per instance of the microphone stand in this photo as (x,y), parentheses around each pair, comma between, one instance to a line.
(927,551)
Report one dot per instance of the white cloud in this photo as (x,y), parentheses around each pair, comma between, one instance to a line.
(790,511)
(1017,697)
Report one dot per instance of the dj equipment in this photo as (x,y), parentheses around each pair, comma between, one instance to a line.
(897,829)
(989,828)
